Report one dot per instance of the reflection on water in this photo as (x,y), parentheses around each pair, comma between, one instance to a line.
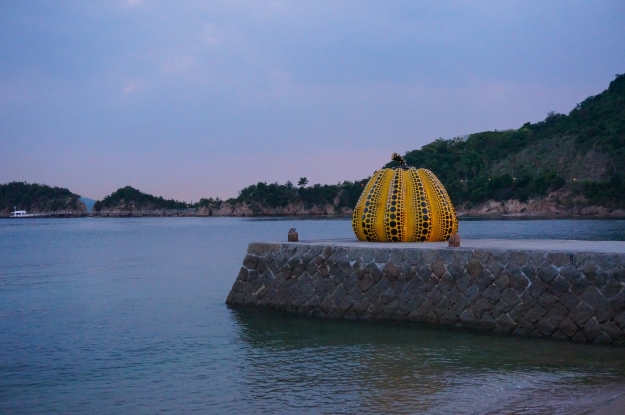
(401,367)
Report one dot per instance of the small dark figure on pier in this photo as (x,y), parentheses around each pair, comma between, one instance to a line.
(293,237)
(454,241)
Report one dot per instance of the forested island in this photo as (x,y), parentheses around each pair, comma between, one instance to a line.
(564,165)
(40,199)
(130,199)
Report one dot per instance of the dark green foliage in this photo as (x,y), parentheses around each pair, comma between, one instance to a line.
(597,122)
(273,195)
(506,187)
(608,194)
(463,167)
(210,202)
(280,195)
(350,193)
(36,197)
(318,194)
(129,196)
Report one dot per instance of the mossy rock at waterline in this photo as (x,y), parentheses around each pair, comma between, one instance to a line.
(404,204)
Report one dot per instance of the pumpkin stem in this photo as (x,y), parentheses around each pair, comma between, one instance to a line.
(396,157)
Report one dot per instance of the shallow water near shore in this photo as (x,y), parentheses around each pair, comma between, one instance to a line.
(107,316)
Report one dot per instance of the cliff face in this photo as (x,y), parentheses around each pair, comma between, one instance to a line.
(82,208)
(561,203)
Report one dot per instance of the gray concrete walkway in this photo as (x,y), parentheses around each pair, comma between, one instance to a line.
(545,245)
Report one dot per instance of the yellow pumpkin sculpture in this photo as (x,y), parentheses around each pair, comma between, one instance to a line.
(404,204)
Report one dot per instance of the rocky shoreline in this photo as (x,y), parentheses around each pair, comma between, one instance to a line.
(556,204)
(491,209)
(559,204)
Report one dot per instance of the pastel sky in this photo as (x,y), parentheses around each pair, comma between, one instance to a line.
(190,99)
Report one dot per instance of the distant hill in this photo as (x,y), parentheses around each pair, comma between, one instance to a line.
(88,203)
(37,198)
(577,158)
(130,199)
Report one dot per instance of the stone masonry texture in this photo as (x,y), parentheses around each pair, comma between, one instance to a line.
(575,296)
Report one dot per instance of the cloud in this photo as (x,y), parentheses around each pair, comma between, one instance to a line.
(132,87)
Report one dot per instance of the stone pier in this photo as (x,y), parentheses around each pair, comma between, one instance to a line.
(569,290)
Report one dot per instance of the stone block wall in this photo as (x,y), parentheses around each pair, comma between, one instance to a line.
(576,296)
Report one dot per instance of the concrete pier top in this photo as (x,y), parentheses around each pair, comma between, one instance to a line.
(543,245)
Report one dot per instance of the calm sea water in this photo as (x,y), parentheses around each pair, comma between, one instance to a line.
(110,316)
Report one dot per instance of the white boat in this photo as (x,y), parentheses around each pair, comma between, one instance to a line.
(20,214)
